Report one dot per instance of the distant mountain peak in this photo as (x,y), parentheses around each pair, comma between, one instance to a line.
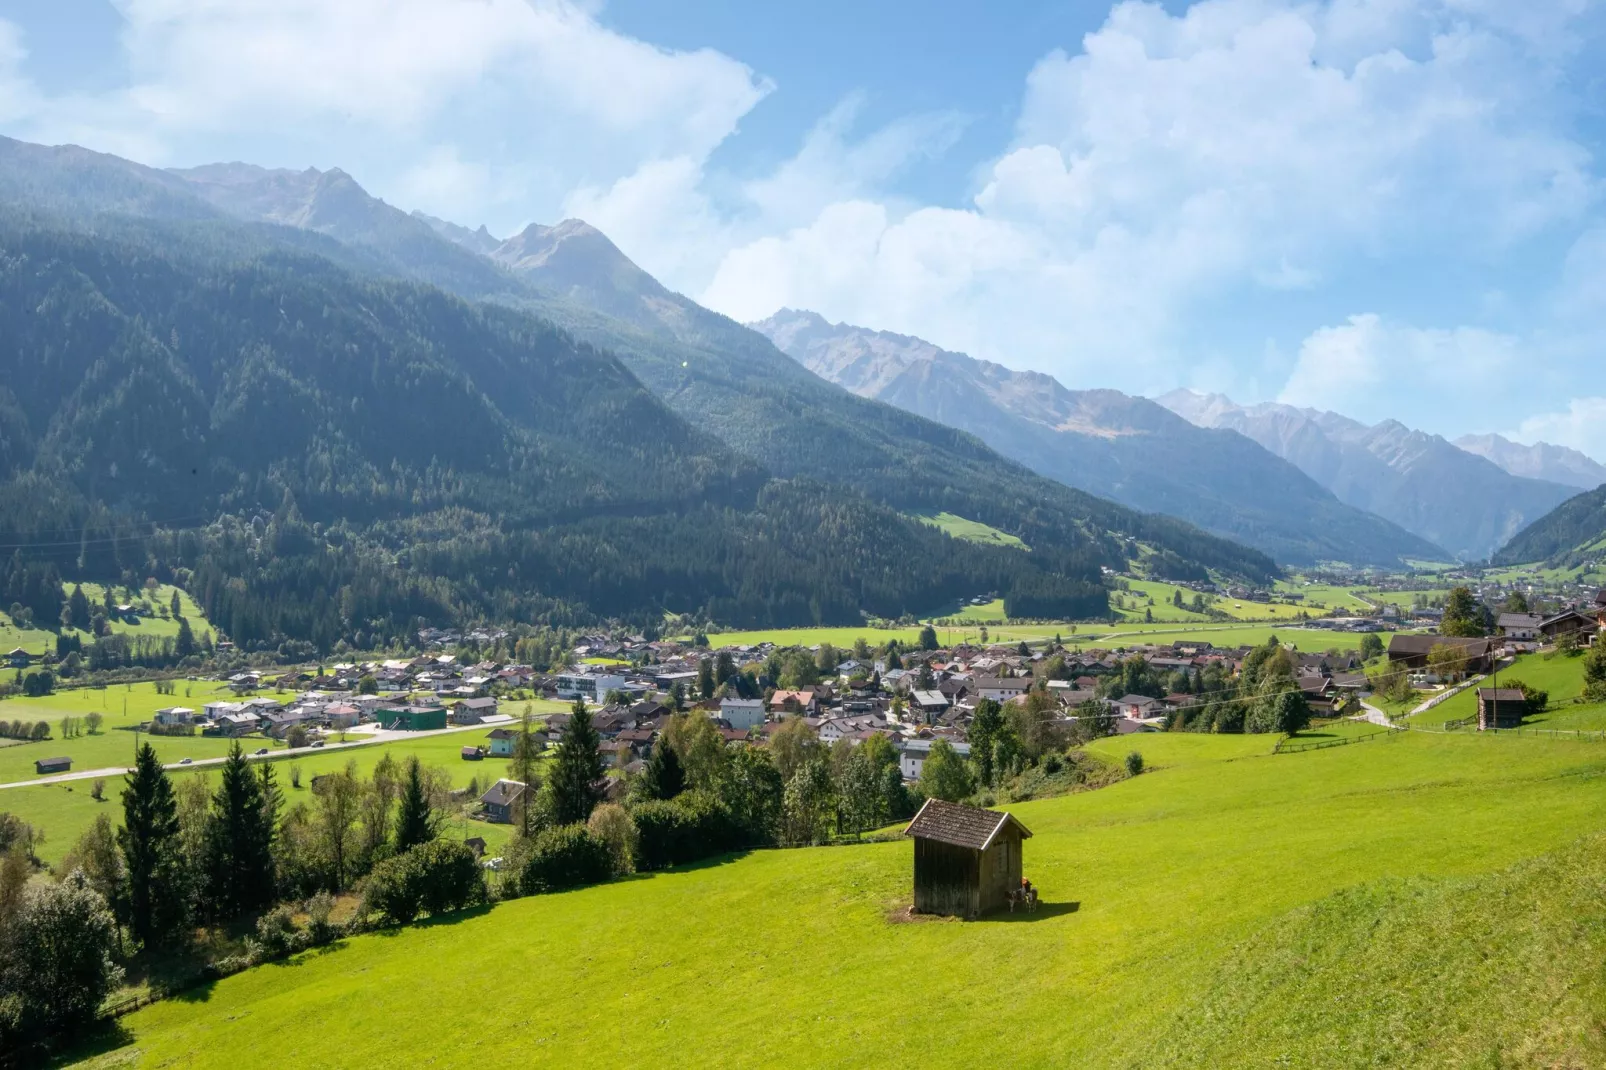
(1455,498)
(1542,460)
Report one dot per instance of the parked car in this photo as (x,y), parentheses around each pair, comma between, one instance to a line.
(262,750)
(317,743)
(185,761)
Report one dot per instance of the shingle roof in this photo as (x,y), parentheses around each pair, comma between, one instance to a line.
(962,826)
(1500,694)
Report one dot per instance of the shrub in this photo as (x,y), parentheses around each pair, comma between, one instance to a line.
(1134,763)
(611,823)
(320,930)
(433,878)
(277,934)
(690,827)
(567,856)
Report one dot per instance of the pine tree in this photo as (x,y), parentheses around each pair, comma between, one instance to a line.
(177,607)
(526,751)
(663,778)
(155,889)
(416,822)
(239,842)
(572,785)
(184,645)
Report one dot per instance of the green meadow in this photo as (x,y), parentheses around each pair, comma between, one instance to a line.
(970,530)
(65,811)
(1229,907)
(38,641)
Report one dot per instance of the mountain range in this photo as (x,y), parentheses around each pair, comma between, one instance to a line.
(1126,448)
(1427,485)
(1554,464)
(425,425)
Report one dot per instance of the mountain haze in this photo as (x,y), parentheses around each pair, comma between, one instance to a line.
(1556,464)
(1126,448)
(1465,503)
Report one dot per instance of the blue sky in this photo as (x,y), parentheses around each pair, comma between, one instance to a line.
(1391,208)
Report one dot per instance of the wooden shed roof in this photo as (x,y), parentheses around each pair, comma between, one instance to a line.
(962,826)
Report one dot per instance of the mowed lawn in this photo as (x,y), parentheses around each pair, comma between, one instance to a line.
(1150,887)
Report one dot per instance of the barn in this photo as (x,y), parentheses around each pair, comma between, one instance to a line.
(967,860)
(1502,707)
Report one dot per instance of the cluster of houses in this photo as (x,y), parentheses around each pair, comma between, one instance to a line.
(326,711)
(912,708)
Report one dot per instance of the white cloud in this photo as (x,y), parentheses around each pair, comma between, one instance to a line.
(1371,370)
(445,102)
(1581,425)
(1177,159)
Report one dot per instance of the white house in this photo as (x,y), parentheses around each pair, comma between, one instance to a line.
(1001,688)
(593,687)
(742,713)
(914,753)
(175,715)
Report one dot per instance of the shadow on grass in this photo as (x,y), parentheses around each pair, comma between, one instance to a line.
(1043,912)
(103,1039)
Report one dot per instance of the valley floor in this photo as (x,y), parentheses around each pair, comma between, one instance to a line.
(1206,913)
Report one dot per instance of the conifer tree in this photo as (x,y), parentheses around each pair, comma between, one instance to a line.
(416,821)
(155,885)
(239,842)
(664,778)
(572,785)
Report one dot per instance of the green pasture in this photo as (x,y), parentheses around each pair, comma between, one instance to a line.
(65,810)
(38,641)
(123,706)
(1152,890)
(1560,675)
(970,530)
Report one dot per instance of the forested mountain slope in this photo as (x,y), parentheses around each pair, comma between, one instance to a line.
(1454,499)
(723,378)
(318,454)
(1102,441)
(1574,530)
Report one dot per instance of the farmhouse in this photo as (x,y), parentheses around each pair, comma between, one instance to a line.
(967,860)
(1502,707)
(47,766)
(501,799)
(1519,626)
(502,742)
(473,710)
(1412,651)
(1570,622)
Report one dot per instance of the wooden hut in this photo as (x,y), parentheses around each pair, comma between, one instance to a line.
(1502,707)
(967,860)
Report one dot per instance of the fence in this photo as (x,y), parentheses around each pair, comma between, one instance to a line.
(1289,745)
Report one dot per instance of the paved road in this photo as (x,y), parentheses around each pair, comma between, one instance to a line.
(366,740)
(1375,715)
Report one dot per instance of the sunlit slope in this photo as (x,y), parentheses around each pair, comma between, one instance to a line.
(796,957)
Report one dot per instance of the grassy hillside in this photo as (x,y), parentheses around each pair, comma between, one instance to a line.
(1153,889)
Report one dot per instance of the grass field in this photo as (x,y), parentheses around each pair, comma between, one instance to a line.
(37,641)
(65,811)
(1203,914)
(970,530)
(1563,677)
